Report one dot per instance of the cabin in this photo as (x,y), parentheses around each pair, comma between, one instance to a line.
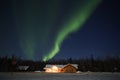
(69,68)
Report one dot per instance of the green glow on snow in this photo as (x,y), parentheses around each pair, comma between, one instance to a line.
(73,24)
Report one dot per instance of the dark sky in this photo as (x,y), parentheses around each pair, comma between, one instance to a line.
(100,35)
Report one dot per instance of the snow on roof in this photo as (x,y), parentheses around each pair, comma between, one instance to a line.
(49,66)
(60,66)
(23,67)
(75,65)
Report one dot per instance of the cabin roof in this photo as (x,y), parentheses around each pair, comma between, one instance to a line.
(49,66)
(60,66)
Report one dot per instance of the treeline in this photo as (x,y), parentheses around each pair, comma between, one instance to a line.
(13,64)
(109,64)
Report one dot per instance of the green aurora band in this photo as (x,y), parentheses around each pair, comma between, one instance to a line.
(73,24)
(34,20)
(42,26)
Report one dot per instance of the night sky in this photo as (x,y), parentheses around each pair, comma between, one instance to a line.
(34,29)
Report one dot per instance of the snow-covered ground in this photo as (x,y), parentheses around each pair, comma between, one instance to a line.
(59,76)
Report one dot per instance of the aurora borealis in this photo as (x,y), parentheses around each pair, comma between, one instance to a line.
(26,22)
(39,29)
(77,20)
